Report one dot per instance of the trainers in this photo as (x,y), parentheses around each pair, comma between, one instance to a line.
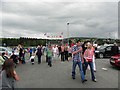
(73,77)
(50,65)
(84,80)
(94,80)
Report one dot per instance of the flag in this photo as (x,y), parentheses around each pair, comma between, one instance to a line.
(60,36)
(48,36)
(68,23)
(62,33)
(45,34)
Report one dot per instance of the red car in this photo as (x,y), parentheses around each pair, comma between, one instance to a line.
(115,60)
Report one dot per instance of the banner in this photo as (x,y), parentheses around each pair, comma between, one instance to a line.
(54,35)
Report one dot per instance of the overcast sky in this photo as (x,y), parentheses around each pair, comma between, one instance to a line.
(33,19)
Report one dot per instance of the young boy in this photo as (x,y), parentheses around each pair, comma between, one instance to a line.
(49,55)
(32,58)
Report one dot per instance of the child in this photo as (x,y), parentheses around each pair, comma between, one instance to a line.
(32,58)
(49,55)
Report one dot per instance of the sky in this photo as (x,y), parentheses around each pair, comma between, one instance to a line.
(39,19)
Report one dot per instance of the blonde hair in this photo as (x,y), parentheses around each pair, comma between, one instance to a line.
(89,45)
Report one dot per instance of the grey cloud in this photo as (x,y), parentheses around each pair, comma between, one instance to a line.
(86,19)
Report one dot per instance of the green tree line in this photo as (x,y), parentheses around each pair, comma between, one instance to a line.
(35,41)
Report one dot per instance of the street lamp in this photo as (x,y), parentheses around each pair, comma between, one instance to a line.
(68,32)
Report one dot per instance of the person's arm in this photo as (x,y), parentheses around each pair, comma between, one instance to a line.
(16,76)
(36,52)
(86,55)
(1,58)
(74,52)
(82,57)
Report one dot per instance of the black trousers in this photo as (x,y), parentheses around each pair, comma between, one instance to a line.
(66,55)
(39,58)
(62,56)
(70,54)
(46,58)
(32,60)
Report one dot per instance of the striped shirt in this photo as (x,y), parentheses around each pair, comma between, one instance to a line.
(77,56)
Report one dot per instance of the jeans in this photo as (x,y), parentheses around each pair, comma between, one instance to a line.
(46,58)
(91,69)
(75,63)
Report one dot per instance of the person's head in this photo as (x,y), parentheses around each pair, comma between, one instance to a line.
(38,46)
(8,66)
(62,44)
(66,44)
(12,52)
(78,43)
(49,46)
(115,44)
(89,45)
(3,53)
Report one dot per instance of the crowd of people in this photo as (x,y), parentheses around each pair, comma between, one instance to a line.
(82,54)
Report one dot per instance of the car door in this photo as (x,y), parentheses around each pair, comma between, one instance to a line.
(108,51)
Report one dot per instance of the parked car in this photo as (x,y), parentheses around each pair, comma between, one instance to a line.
(115,60)
(6,50)
(104,51)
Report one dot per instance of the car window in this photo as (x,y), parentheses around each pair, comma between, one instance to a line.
(108,48)
(9,49)
(102,47)
(0,49)
(3,49)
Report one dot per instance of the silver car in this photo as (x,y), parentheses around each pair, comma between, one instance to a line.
(6,50)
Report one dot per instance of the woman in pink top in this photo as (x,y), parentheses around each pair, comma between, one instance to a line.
(88,55)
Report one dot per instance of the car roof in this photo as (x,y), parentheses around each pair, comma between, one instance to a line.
(3,47)
(8,48)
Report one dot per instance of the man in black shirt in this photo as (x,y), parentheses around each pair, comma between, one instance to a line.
(115,49)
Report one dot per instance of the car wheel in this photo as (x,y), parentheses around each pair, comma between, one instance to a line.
(101,55)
